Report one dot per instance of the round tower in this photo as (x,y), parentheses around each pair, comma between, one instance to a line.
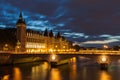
(21,32)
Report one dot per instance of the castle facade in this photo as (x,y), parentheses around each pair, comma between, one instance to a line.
(34,41)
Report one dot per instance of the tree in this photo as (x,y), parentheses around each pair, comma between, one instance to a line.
(76,47)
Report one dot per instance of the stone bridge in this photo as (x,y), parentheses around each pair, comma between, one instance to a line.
(12,58)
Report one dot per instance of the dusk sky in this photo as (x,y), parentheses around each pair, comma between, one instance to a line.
(87,22)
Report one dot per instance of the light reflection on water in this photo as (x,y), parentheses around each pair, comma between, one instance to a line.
(71,71)
(17,74)
(5,77)
(55,74)
(104,76)
(39,72)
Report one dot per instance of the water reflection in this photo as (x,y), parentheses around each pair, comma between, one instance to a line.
(73,69)
(40,72)
(5,77)
(104,76)
(17,74)
(55,74)
(84,73)
(5,72)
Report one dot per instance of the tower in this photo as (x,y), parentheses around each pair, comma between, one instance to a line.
(21,32)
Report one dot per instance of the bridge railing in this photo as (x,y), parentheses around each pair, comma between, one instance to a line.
(112,52)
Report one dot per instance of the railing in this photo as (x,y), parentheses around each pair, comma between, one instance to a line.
(111,52)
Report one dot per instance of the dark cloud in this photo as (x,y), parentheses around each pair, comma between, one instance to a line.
(91,17)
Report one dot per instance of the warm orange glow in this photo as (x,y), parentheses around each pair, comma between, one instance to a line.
(50,50)
(105,76)
(46,65)
(73,68)
(35,45)
(39,72)
(5,77)
(17,74)
(63,46)
(104,59)
(74,59)
(53,57)
(55,74)
(105,46)
(56,46)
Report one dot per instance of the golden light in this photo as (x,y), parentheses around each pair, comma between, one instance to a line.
(5,77)
(105,76)
(53,57)
(50,50)
(17,74)
(104,59)
(63,46)
(74,59)
(55,74)
(56,46)
(6,45)
(105,46)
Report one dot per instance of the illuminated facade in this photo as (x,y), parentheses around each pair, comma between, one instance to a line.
(21,32)
(34,41)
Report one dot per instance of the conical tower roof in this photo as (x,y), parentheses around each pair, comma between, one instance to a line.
(21,20)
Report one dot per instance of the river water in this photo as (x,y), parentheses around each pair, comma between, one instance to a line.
(75,70)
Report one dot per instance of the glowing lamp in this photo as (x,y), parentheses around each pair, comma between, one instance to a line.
(104,59)
(53,57)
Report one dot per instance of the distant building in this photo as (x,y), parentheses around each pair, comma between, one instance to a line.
(34,41)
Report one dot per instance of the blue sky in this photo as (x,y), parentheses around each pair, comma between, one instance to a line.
(86,22)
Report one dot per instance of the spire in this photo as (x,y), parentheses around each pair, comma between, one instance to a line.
(20,17)
(46,32)
(51,33)
(58,35)
(21,20)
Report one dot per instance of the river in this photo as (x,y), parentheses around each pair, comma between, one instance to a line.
(75,70)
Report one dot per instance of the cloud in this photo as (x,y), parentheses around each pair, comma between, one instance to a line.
(110,36)
(89,21)
(100,42)
(2,26)
(67,34)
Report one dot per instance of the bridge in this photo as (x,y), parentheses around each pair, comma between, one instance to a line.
(95,55)
(109,52)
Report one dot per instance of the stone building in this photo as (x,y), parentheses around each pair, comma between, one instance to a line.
(34,41)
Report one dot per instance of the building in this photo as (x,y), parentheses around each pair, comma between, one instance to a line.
(34,41)
(26,40)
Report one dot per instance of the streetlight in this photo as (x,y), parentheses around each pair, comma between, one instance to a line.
(53,60)
(51,50)
(104,62)
(64,48)
(18,46)
(5,48)
(56,47)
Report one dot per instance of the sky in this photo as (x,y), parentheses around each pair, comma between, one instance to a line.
(86,22)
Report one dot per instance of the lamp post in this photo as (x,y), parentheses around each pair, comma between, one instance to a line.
(5,48)
(56,48)
(64,48)
(18,46)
